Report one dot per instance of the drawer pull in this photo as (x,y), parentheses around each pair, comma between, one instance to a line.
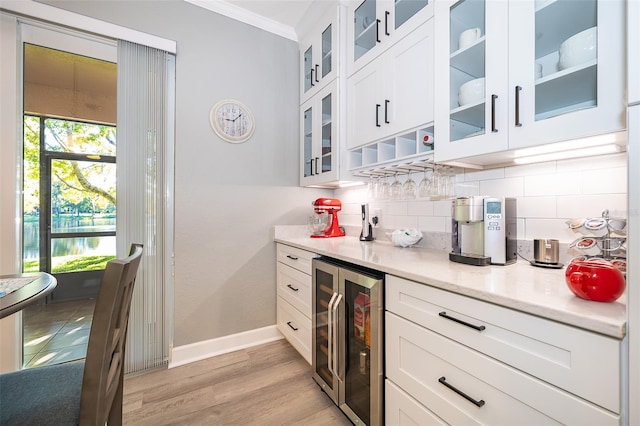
(295,329)
(292,287)
(292,257)
(443,380)
(459,321)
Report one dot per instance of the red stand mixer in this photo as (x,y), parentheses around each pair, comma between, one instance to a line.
(325,223)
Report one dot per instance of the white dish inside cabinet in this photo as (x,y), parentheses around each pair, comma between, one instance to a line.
(559,91)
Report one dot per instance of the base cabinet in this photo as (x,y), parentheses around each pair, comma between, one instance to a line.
(465,375)
(294,297)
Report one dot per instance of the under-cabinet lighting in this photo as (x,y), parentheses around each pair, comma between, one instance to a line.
(571,153)
(569,145)
(347,184)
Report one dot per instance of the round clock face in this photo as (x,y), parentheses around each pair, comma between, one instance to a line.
(232,121)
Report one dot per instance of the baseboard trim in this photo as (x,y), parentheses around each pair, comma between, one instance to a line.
(193,352)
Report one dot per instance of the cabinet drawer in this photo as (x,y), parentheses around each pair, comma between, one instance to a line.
(419,361)
(295,327)
(568,357)
(402,410)
(295,257)
(295,287)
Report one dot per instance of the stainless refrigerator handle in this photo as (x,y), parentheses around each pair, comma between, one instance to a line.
(335,308)
(330,332)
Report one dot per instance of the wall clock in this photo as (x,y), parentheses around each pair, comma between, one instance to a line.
(232,121)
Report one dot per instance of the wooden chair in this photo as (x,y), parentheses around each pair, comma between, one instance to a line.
(84,393)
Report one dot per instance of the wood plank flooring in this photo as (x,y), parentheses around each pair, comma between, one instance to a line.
(269,384)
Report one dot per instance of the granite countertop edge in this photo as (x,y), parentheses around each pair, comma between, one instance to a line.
(538,291)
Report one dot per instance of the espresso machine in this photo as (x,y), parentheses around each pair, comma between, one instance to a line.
(328,208)
(483,230)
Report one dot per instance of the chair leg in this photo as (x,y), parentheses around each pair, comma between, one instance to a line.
(115,414)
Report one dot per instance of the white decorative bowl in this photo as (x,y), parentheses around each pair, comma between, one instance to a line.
(471,92)
(578,49)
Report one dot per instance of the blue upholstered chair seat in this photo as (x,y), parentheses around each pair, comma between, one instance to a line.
(41,396)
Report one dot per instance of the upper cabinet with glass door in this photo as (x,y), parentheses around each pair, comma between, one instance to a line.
(522,73)
(319,54)
(375,25)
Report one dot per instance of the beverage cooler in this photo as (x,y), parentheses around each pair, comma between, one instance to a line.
(348,314)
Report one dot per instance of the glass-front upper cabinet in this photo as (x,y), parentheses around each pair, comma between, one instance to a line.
(318,50)
(319,157)
(525,73)
(374,25)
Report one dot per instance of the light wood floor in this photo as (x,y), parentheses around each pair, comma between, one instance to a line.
(269,384)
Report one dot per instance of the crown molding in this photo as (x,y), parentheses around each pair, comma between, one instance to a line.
(246,16)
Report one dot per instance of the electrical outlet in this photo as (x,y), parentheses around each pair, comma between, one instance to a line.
(377,213)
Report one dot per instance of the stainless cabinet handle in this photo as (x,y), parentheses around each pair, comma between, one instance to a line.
(292,327)
(377,30)
(459,321)
(317,161)
(310,171)
(317,81)
(478,403)
(292,287)
(493,113)
(330,333)
(311,78)
(336,326)
(377,114)
(518,123)
(290,256)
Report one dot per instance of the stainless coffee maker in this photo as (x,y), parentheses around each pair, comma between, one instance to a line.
(483,230)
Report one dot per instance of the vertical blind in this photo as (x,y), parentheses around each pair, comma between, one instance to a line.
(144,195)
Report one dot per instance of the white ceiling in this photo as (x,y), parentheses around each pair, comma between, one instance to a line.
(277,16)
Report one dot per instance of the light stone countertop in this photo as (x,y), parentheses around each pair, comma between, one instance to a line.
(520,286)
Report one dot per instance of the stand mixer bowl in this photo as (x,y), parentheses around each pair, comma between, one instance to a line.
(319,222)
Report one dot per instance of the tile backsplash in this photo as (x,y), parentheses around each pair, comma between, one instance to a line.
(548,194)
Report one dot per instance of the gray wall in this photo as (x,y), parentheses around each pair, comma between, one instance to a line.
(227,197)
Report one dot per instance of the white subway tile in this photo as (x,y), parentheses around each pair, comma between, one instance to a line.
(508,187)
(420,208)
(531,169)
(605,181)
(397,208)
(470,174)
(403,222)
(549,229)
(538,207)
(572,207)
(442,207)
(467,189)
(554,184)
(434,224)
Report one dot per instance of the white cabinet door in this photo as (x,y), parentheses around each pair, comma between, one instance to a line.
(375,25)
(410,80)
(521,107)
(468,125)
(318,55)
(394,93)
(400,409)
(584,98)
(365,111)
(319,137)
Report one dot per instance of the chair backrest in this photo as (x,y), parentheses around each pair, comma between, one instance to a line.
(101,399)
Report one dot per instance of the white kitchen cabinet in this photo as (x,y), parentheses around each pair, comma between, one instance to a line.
(294,296)
(525,369)
(394,93)
(319,53)
(403,410)
(518,107)
(375,25)
(319,137)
